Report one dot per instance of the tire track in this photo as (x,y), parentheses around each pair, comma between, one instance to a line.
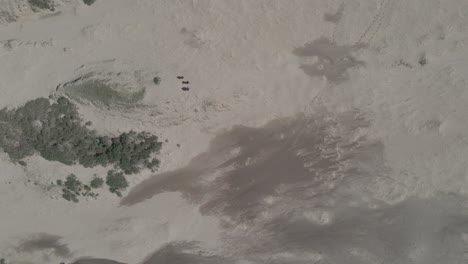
(339,13)
(375,23)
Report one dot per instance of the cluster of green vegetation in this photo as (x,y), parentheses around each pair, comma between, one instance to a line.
(2,261)
(96,182)
(116,182)
(130,152)
(73,188)
(42,4)
(55,131)
(89,2)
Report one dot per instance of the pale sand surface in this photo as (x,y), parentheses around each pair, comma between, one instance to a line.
(313,132)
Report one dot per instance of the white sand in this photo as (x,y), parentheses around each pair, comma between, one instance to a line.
(238,57)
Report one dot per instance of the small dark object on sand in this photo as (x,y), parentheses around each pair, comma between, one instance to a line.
(185,89)
(180,77)
(156,80)
(185,82)
(89,2)
(422,60)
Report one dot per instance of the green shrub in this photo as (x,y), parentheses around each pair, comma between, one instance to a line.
(96,182)
(153,164)
(116,182)
(73,184)
(42,4)
(73,188)
(69,196)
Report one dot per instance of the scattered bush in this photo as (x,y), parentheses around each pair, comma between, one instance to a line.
(116,182)
(73,184)
(73,188)
(69,196)
(42,4)
(152,165)
(96,182)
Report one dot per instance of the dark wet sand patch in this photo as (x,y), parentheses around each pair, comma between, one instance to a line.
(96,261)
(287,159)
(428,231)
(274,181)
(43,242)
(333,60)
(184,252)
(335,17)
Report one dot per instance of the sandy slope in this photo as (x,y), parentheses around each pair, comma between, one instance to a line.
(239,57)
